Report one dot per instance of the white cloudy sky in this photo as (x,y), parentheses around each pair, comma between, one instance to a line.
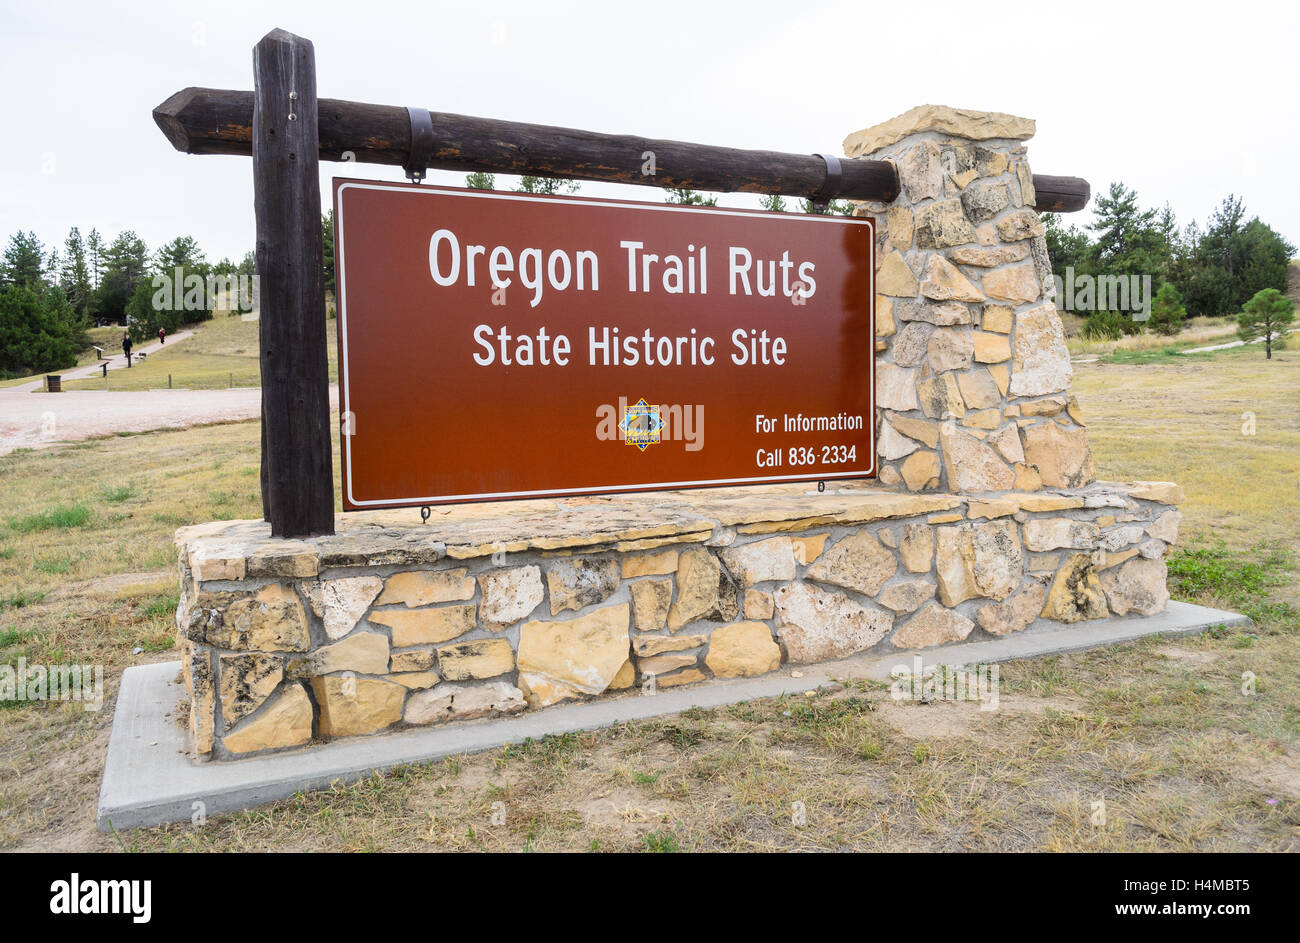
(1185,101)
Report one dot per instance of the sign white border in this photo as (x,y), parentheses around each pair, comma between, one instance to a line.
(343,185)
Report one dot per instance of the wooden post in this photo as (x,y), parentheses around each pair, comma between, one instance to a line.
(297,464)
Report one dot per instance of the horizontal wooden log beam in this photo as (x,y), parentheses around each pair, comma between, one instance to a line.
(220,121)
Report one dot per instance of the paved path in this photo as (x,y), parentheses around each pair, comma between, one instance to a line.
(115,362)
(37,420)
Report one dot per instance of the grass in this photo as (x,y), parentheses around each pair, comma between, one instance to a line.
(1160,730)
(223,352)
(62,516)
(1197,332)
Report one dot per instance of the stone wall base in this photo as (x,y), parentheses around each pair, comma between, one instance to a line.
(492,609)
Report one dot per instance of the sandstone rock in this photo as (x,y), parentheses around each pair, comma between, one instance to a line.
(917,548)
(997,318)
(771,559)
(959,164)
(910,344)
(415,680)
(920,172)
(577,583)
(1027,477)
(990,163)
(1120,537)
(939,397)
(943,282)
(350,705)
(650,601)
(933,625)
(1017,284)
(1006,441)
(1152,549)
(663,563)
(247,681)
(977,387)
(1057,533)
(704,591)
(1023,224)
(688,676)
(991,348)
(898,226)
(992,507)
(895,387)
(950,349)
(647,645)
(891,445)
(1061,456)
(341,603)
(858,561)
(1163,492)
(885,326)
(196,669)
(510,594)
(1136,586)
(1026,180)
(424,587)
(984,419)
(942,224)
(463,702)
(815,625)
(983,200)
(990,256)
(272,620)
(895,278)
(923,430)
(1048,406)
(808,548)
(412,660)
(664,664)
(758,604)
(426,626)
(364,653)
(921,470)
(978,559)
(906,596)
(467,661)
(971,465)
(1165,527)
(742,650)
(286,722)
(946,314)
(1041,361)
(1016,613)
(1001,376)
(1075,595)
(558,660)
(956,122)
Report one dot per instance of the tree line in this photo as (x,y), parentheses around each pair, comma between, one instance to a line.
(49,298)
(1213,270)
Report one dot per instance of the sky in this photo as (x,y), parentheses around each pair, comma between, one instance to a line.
(1185,102)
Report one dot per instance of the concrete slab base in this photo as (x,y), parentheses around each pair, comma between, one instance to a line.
(149,778)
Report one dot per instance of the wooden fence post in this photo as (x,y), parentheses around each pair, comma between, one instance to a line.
(297,462)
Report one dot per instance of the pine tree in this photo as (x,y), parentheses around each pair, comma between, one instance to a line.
(547,186)
(833,208)
(74,277)
(1167,311)
(1127,236)
(1267,315)
(94,252)
(125,265)
(24,261)
(685,196)
(773,203)
(481,181)
(327,248)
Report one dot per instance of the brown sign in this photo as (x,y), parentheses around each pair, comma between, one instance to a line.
(500,345)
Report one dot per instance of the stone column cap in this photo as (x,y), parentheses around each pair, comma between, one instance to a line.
(955,122)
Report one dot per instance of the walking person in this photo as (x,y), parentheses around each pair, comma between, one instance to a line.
(126,348)
(162,335)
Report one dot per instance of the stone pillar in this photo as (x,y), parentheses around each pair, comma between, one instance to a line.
(973,375)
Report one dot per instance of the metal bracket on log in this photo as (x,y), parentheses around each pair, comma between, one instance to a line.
(417,163)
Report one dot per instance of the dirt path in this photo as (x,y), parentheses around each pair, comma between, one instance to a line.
(37,420)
